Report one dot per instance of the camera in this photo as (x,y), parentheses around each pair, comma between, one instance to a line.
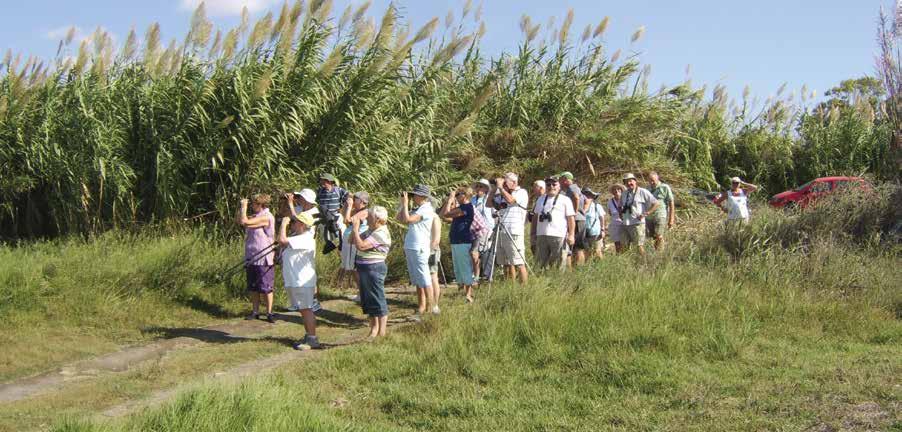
(545,217)
(502,205)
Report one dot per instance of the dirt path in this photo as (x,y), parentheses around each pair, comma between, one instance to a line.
(179,339)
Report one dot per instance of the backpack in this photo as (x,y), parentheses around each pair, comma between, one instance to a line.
(478,227)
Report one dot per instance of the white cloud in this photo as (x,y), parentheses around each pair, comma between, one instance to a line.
(227,7)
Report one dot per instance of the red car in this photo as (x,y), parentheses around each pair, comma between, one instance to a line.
(808,192)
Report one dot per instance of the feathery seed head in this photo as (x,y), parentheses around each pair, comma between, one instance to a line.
(565,28)
(601,27)
(263,84)
(70,34)
(638,34)
(587,33)
(468,6)
(201,27)
(131,44)
(449,19)
(616,56)
(361,11)
(151,41)
(426,31)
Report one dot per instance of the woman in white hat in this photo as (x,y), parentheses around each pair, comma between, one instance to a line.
(735,202)
(418,246)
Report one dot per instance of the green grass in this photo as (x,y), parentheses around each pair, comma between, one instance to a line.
(783,340)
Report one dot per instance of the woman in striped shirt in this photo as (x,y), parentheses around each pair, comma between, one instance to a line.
(372,248)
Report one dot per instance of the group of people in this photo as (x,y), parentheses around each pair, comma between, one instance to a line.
(568,226)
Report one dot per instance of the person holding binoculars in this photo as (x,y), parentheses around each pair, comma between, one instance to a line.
(554,224)
(259,254)
(636,204)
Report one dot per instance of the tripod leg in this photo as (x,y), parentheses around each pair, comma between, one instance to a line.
(519,252)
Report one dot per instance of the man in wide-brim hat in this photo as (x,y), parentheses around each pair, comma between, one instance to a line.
(636,204)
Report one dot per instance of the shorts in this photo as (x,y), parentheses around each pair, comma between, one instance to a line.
(634,235)
(550,251)
(434,259)
(592,241)
(579,236)
(348,254)
(615,232)
(656,225)
(510,253)
(418,267)
(481,243)
(260,278)
(301,297)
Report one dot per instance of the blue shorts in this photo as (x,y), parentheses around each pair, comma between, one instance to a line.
(418,267)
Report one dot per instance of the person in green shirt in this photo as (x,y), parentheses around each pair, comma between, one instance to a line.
(665,215)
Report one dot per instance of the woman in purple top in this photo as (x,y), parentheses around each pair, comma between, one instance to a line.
(258,252)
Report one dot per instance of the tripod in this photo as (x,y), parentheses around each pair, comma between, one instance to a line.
(488,262)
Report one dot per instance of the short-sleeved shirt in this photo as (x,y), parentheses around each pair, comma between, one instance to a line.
(614,210)
(594,219)
(259,239)
(419,234)
(514,216)
(637,202)
(663,193)
(298,261)
(460,226)
(560,207)
(480,205)
(380,241)
(330,201)
(575,191)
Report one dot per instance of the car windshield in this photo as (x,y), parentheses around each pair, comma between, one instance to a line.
(803,186)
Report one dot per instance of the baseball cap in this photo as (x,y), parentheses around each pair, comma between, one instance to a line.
(566,174)
(308,195)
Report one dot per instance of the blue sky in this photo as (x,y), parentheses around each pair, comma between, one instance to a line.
(759,43)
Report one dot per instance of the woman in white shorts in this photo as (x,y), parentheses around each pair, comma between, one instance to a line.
(615,228)
(299,272)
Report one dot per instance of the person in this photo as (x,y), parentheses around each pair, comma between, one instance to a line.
(510,200)
(636,205)
(554,224)
(664,217)
(615,227)
(735,202)
(577,251)
(259,253)
(372,248)
(481,243)
(355,207)
(299,272)
(538,188)
(595,228)
(330,198)
(460,211)
(435,260)
(303,202)
(418,246)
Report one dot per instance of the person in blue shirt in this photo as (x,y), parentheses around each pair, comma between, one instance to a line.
(459,210)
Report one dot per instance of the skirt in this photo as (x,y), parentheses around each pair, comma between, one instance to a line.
(463,263)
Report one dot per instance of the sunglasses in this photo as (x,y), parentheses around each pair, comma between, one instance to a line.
(459,194)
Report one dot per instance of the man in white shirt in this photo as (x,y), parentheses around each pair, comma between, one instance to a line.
(636,204)
(510,200)
(553,224)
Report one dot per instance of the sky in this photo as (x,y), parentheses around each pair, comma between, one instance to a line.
(757,43)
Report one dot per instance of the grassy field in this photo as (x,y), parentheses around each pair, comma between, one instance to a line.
(788,338)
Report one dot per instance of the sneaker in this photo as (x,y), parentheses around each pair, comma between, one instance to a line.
(251,317)
(436,310)
(316,308)
(269,319)
(293,308)
(307,343)
(416,317)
